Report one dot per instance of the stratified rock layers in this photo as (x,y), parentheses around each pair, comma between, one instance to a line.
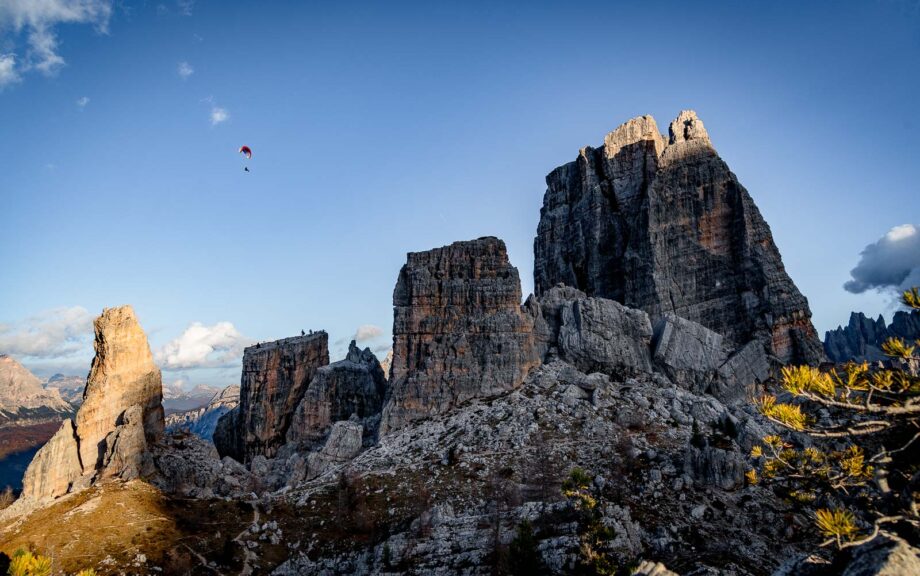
(459,331)
(664,226)
(275,378)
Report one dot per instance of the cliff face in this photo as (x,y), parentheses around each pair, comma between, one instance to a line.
(459,331)
(120,416)
(275,378)
(862,338)
(664,226)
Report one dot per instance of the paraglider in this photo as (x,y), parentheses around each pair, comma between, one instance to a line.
(247,152)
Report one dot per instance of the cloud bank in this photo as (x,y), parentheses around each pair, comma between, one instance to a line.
(36,20)
(891,263)
(54,333)
(203,346)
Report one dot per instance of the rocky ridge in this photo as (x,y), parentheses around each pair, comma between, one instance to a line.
(862,338)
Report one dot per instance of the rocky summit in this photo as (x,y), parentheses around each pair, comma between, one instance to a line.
(661,224)
(202,421)
(459,331)
(120,417)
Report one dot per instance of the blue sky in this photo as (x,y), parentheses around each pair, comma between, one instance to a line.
(381,128)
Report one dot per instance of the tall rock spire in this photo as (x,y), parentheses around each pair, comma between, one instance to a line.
(665,226)
(121,414)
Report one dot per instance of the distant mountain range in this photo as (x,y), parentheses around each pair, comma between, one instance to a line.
(862,338)
(70,387)
(176,399)
(23,399)
(202,421)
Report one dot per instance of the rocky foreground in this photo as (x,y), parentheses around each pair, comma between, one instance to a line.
(662,309)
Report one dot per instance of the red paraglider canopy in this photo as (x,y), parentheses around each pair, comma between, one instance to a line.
(246,151)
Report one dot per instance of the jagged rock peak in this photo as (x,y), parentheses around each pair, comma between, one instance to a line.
(459,331)
(862,338)
(667,228)
(122,374)
(687,126)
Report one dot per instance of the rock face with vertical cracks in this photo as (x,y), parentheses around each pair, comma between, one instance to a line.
(662,224)
(275,378)
(459,330)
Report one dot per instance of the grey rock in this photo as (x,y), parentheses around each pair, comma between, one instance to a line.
(353,386)
(343,444)
(596,334)
(886,555)
(126,454)
(663,225)
(459,331)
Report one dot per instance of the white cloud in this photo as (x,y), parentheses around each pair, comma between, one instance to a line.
(38,19)
(367,332)
(185,7)
(185,70)
(83,101)
(8,73)
(52,333)
(203,346)
(218,115)
(890,263)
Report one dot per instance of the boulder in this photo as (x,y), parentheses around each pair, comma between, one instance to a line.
(597,334)
(343,444)
(459,331)
(886,555)
(687,352)
(698,358)
(662,224)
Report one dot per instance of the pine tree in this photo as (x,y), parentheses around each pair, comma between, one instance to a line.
(853,451)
